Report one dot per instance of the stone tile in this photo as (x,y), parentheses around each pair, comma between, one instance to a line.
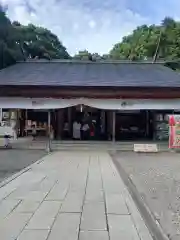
(28,206)
(95,185)
(73,202)
(18,193)
(58,192)
(44,186)
(12,226)
(115,204)
(6,191)
(66,227)
(138,220)
(94,195)
(35,195)
(69,172)
(26,194)
(94,235)
(77,187)
(33,235)
(44,216)
(93,217)
(111,187)
(122,227)
(40,223)
(6,206)
(49,208)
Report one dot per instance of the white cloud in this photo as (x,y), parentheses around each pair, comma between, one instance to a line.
(83,24)
(75,26)
(92,24)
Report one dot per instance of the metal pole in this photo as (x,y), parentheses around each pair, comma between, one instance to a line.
(114,127)
(49,132)
(157,48)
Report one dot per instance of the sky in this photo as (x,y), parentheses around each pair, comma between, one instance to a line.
(94,25)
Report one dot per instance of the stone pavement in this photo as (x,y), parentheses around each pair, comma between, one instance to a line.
(157,179)
(22,140)
(41,144)
(70,196)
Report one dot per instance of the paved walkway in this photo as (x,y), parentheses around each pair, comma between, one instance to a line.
(70,196)
(59,145)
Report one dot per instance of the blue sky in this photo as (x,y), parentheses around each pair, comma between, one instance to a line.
(95,25)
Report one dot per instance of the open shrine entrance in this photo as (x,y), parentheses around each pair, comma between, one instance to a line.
(83,115)
(108,124)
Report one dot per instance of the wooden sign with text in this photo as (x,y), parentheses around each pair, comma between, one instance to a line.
(151,148)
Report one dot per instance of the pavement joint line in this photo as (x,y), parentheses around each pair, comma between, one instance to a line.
(155,229)
(35,212)
(87,178)
(19,202)
(18,174)
(107,223)
(50,230)
(134,222)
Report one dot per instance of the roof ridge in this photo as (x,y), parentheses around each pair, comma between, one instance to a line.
(89,62)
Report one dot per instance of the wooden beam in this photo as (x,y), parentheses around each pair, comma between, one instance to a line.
(119,93)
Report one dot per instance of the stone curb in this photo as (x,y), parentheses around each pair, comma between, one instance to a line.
(18,174)
(77,148)
(152,224)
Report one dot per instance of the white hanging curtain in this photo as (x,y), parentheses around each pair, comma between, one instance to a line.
(132,104)
(36,103)
(106,104)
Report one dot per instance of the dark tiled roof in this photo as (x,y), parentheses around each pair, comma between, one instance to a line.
(93,74)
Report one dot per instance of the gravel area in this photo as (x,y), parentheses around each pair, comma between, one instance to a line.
(12,161)
(157,179)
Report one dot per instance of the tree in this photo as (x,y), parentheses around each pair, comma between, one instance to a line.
(83,55)
(39,42)
(146,41)
(6,43)
(18,42)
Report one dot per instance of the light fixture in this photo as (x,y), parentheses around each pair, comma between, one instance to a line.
(81,108)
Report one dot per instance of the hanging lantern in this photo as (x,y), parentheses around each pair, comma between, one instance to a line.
(81,108)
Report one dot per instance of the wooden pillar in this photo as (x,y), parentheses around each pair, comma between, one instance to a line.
(26,118)
(109,124)
(60,122)
(49,132)
(70,119)
(102,122)
(114,126)
(0,115)
(147,123)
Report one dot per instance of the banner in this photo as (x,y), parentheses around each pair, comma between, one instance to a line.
(174,131)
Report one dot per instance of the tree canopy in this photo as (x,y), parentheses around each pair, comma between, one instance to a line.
(146,42)
(85,55)
(155,42)
(18,42)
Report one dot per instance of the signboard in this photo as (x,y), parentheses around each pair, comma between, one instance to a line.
(174,131)
(6,130)
(145,148)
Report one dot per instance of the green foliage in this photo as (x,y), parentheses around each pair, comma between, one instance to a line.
(83,55)
(142,43)
(18,42)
